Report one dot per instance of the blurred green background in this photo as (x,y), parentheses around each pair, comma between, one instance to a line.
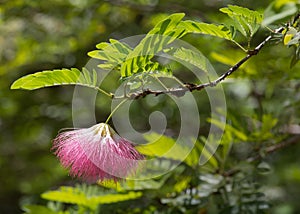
(43,35)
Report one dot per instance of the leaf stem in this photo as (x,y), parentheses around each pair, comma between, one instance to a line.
(115,109)
(178,81)
(104,92)
(160,82)
(240,46)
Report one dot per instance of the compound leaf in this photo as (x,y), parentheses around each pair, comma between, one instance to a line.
(57,77)
(208,29)
(74,195)
(244,20)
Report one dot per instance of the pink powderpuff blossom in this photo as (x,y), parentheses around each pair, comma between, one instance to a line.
(97,153)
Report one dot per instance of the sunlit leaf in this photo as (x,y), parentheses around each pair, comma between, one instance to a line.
(56,77)
(289,35)
(209,29)
(137,185)
(206,153)
(162,146)
(74,195)
(113,54)
(244,20)
(295,40)
(228,128)
(182,184)
(167,25)
(191,57)
(268,122)
(164,33)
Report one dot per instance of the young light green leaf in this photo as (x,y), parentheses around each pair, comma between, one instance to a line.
(73,195)
(190,57)
(167,25)
(57,77)
(208,29)
(205,153)
(116,53)
(113,54)
(237,133)
(137,185)
(244,20)
(162,146)
(295,40)
(158,148)
(164,33)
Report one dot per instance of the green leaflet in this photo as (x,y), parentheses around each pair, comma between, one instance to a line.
(57,77)
(209,29)
(158,148)
(167,25)
(140,59)
(164,33)
(75,195)
(117,55)
(244,20)
(239,134)
(139,184)
(190,57)
(163,144)
(113,54)
(265,128)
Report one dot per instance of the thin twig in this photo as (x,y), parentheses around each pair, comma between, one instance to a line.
(180,91)
(268,150)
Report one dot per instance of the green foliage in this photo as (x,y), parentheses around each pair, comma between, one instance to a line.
(234,179)
(291,38)
(113,54)
(246,21)
(238,134)
(190,58)
(139,185)
(57,77)
(167,147)
(164,33)
(89,196)
(119,56)
(208,29)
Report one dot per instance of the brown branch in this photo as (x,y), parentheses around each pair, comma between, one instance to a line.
(180,91)
(268,150)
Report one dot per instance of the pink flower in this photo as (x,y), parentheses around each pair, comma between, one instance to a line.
(96,153)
